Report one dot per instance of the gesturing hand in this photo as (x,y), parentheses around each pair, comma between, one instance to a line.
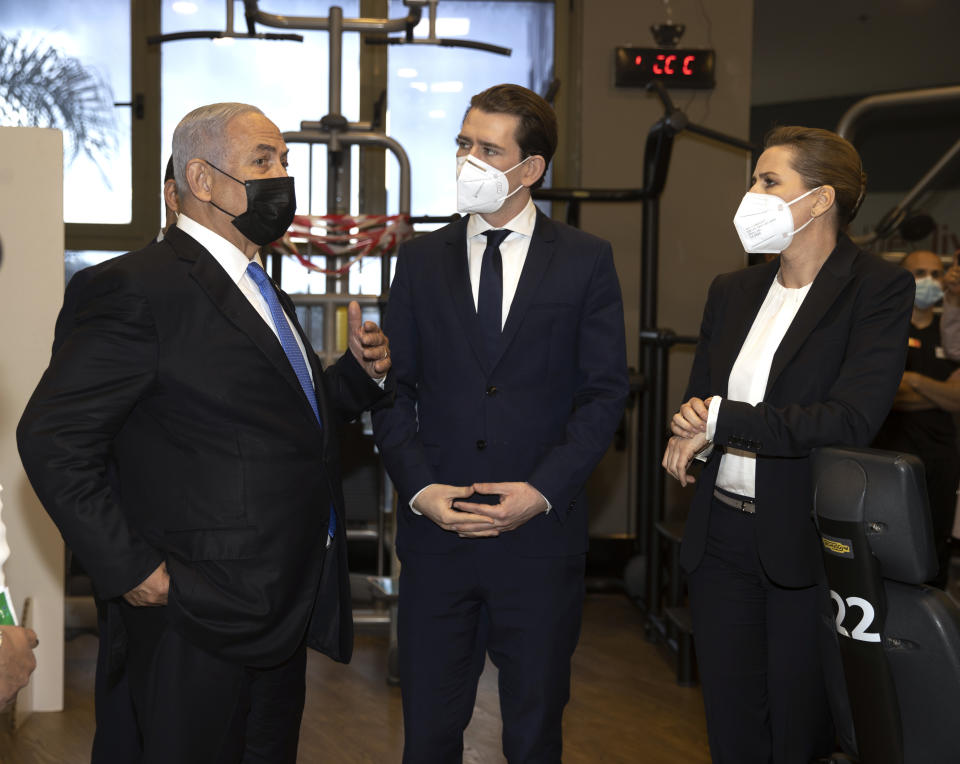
(518,503)
(368,343)
(152,591)
(436,502)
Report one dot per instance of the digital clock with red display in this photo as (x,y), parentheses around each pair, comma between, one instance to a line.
(674,67)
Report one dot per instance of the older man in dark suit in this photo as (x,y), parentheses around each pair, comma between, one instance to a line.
(511,373)
(222,538)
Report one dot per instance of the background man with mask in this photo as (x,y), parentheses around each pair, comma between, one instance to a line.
(511,374)
(921,421)
(219,538)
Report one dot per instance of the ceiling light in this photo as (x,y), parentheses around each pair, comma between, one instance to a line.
(185,7)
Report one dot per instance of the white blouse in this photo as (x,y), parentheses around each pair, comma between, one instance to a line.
(748,379)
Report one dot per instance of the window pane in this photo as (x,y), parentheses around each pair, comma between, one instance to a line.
(287,80)
(76,260)
(87,69)
(430,86)
(364,276)
(298,279)
(311,319)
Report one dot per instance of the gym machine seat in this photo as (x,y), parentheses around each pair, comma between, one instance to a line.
(899,639)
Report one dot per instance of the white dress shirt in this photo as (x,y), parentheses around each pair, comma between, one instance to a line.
(513,252)
(748,380)
(235,263)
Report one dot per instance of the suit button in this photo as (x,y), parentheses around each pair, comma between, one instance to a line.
(492,390)
(481,444)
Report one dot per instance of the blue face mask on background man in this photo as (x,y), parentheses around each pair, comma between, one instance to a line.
(929,292)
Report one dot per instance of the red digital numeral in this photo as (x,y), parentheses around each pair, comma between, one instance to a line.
(665,64)
(688,62)
(638,60)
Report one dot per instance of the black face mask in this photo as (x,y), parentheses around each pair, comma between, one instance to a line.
(271,205)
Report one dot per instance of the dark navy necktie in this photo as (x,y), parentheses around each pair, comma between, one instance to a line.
(490,293)
(290,347)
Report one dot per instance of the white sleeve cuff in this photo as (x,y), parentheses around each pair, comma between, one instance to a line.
(415,496)
(712,413)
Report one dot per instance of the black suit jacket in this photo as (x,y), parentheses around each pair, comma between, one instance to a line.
(832,382)
(544,411)
(222,470)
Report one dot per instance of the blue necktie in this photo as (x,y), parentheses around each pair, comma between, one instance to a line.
(287,340)
(290,347)
(490,293)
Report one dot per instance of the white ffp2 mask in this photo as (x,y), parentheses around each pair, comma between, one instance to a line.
(482,187)
(764,222)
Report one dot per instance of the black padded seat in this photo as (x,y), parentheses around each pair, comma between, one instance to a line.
(899,639)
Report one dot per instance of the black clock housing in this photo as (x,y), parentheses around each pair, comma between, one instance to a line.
(691,68)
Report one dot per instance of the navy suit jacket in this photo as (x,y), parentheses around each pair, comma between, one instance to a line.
(220,467)
(832,382)
(544,411)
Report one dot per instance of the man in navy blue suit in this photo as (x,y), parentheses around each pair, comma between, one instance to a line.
(508,343)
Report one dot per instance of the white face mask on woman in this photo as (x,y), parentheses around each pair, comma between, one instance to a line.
(764,222)
(481,187)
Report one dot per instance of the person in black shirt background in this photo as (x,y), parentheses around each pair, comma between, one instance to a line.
(921,421)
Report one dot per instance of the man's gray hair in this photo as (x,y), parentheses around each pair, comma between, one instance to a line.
(201,134)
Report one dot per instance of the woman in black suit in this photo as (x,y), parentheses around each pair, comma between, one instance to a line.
(803,351)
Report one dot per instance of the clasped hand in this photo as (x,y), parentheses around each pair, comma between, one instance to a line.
(445,505)
(689,428)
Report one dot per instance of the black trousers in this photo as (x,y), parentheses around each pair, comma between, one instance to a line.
(117,737)
(194,708)
(454,610)
(760,652)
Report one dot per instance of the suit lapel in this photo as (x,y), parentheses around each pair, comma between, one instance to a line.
(539,254)
(230,301)
(834,275)
(740,312)
(456,271)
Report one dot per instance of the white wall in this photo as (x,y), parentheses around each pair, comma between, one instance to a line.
(31,290)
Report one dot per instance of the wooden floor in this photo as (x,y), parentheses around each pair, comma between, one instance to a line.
(625,705)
